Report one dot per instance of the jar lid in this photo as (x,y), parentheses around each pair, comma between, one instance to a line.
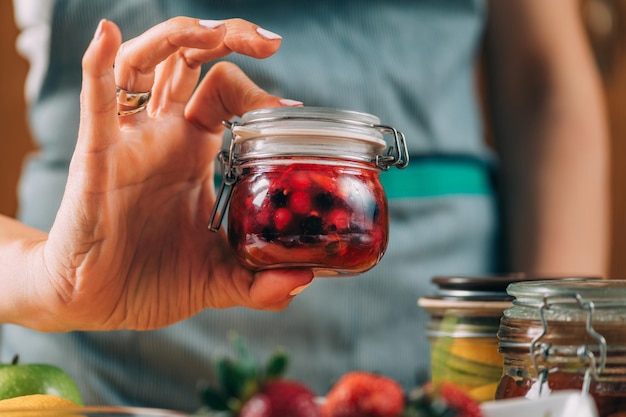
(485,288)
(307,122)
(316,132)
(603,293)
(470,295)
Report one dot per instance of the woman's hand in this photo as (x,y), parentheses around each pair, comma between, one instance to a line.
(130,246)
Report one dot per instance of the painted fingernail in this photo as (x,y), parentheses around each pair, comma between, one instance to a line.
(299,289)
(98,32)
(289,102)
(211,24)
(267,34)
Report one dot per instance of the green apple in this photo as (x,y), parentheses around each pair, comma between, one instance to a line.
(18,379)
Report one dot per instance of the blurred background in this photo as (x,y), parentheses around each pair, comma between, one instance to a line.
(605,21)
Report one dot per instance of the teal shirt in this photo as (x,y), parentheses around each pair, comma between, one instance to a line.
(408,62)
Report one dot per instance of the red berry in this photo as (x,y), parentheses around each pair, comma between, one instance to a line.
(454,397)
(282,398)
(327,181)
(339,219)
(299,181)
(282,217)
(257,406)
(261,217)
(300,202)
(358,394)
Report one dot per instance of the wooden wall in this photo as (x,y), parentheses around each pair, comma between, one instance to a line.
(15,139)
(605,19)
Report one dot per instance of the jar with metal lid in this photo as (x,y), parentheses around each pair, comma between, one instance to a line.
(464,318)
(302,188)
(563,335)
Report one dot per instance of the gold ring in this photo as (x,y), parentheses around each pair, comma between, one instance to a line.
(130,103)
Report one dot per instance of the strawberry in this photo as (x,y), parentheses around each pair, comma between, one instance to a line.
(441,399)
(281,398)
(458,399)
(364,394)
(249,390)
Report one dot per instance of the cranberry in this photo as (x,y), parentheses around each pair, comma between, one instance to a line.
(338,219)
(299,180)
(300,202)
(282,218)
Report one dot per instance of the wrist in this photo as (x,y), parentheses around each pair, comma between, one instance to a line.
(20,276)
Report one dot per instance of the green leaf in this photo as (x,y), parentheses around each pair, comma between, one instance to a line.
(277,364)
(230,377)
(247,364)
(211,398)
(248,389)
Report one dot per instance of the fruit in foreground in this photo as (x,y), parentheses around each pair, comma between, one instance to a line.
(281,398)
(441,399)
(249,390)
(364,394)
(36,402)
(17,380)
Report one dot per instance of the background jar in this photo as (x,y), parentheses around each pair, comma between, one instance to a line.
(465,315)
(563,335)
(302,188)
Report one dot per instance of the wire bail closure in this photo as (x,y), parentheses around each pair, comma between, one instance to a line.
(229,178)
(583,352)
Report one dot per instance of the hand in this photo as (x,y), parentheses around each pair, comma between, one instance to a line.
(130,246)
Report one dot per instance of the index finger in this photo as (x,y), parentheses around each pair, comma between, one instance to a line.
(242,37)
(196,40)
(137,58)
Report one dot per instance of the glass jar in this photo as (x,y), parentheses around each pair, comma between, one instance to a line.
(464,318)
(302,188)
(563,335)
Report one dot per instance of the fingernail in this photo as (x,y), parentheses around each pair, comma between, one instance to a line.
(98,32)
(211,24)
(289,102)
(299,289)
(267,34)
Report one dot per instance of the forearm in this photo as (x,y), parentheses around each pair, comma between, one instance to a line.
(555,192)
(552,138)
(18,258)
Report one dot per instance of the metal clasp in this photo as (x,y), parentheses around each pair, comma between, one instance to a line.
(398,155)
(226,160)
(583,352)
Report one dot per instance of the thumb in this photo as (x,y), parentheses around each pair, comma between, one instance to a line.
(226,91)
(274,289)
(98,105)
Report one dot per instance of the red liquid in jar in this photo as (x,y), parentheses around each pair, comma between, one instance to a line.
(329,217)
(610,396)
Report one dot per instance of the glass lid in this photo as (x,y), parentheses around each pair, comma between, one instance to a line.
(603,293)
(307,122)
